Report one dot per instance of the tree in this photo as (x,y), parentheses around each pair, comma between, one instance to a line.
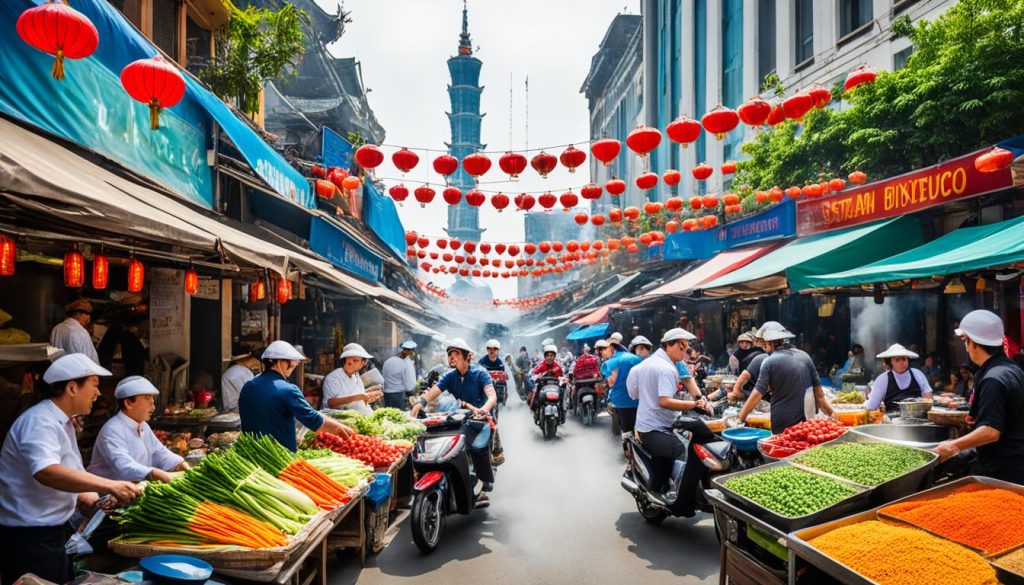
(256,44)
(960,90)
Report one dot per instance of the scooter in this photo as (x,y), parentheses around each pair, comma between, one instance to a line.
(655,504)
(585,399)
(447,483)
(547,407)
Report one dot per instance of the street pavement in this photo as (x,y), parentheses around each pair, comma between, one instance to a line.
(557,515)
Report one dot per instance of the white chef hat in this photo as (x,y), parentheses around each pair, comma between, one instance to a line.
(134,386)
(72,367)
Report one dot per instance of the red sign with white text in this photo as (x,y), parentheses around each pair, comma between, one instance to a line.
(949,181)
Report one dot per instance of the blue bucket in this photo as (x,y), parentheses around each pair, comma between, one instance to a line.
(380,490)
(745,439)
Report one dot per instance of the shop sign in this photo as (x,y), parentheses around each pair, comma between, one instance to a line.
(778,221)
(699,245)
(343,251)
(209,289)
(915,191)
(336,151)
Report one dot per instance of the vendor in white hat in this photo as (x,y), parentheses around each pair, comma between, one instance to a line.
(233,378)
(270,404)
(399,373)
(997,408)
(71,334)
(900,382)
(126,447)
(343,387)
(42,478)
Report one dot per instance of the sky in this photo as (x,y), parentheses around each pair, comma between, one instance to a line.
(404,45)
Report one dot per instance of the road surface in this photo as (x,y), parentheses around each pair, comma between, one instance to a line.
(557,515)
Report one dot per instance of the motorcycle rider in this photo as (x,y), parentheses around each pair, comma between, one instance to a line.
(654,382)
(492,362)
(471,385)
(616,371)
(549,368)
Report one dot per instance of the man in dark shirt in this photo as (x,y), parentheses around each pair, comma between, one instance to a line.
(997,407)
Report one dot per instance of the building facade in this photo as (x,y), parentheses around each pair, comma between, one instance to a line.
(552,226)
(700,53)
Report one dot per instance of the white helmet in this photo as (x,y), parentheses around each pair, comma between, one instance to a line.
(550,349)
(547,341)
(282,350)
(493,343)
(458,343)
(767,326)
(774,331)
(640,340)
(615,337)
(677,334)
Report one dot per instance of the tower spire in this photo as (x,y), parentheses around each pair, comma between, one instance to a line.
(465,45)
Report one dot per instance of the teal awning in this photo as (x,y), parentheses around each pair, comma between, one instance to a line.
(588,332)
(791,265)
(962,250)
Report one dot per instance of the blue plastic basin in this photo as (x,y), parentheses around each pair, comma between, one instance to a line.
(745,439)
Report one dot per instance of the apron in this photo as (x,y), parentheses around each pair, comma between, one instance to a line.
(893,394)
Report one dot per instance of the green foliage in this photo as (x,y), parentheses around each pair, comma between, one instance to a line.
(960,90)
(256,45)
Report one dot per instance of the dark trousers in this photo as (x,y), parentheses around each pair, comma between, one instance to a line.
(481,457)
(626,418)
(396,400)
(666,447)
(37,550)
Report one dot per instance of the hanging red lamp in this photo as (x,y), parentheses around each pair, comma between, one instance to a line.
(154,82)
(643,140)
(399,193)
(605,150)
(709,221)
(513,164)
(615,187)
(513,250)
(74,269)
(475,198)
(547,200)
(994,160)
(499,201)
(720,121)
(646,181)
(452,196)
(424,194)
(581,218)
(422,242)
(777,116)
(615,215)
(369,156)
(544,247)
(672,226)
(530,248)
(837,184)
(702,171)
(191,282)
(731,199)
(754,112)
(597,220)
(859,75)
(476,164)
(446,165)
(652,207)
(410,238)
(136,276)
(405,160)
(858,178)
(100,272)
(455,243)
(544,163)
(820,94)
(469,247)
(671,177)
(776,194)
(591,192)
(568,200)
(525,201)
(683,130)
(631,213)
(337,176)
(709,202)
(572,157)
(674,203)
(500,248)
(728,167)
(793,192)
(696,203)
(284,291)
(325,189)
(442,243)
(8,255)
(257,291)
(59,30)
(351,183)
(318,171)
(557,246)
(761,196)
(797,105)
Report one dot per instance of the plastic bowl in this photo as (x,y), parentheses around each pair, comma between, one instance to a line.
(745,439)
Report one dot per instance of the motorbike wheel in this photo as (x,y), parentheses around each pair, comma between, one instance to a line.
(587,412)
(427,520)
(550,428)
(651,515)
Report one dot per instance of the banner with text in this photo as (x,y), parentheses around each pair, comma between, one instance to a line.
(343,251)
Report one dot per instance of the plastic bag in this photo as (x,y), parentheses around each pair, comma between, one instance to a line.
(78,544)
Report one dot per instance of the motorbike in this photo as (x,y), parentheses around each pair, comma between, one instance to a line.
(500,380)
(584,399)
(655,504)
(547,407)
(447,483)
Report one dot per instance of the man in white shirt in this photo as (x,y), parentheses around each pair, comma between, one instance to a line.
(126,448)
(42,479)
(343,388)
(399,374)
(71,334)
(232,380)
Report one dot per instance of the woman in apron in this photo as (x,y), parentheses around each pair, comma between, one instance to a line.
(900,382)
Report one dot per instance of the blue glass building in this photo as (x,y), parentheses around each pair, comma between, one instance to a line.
(464,118)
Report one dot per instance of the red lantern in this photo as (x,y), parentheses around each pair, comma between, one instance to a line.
(530,249)
(572,157)
(671,177)
(284,291)
(837,184)
(798,104)
(647,181)
(434,255)
(672,226)
(442,243)
(613,244)
(59,30)
(547,200)
(369,156)
(424,194)
(761,196)
(993,161)
(405,160)
(720,121)
(191,282)
(729,167)
(257,291)
(455,243)
(74,269)
(674,203)
(154,82)
(652,207)
(476,164)
(754,112)
(696,203)
(399,192)
(709,221)
(605,150)
(485,248)
(512,164)
(597,220)
(631,213)
(702,171)
(451,196)
(776,194)
(499,201)
(351,183)
(859,75)
(448,257)
(820,94)
(777,116)
(463,272)
(615,214)
(422,242)
(475,198)
(709,202)
(581,218)
(683,130)
(572,245)
(591,192)
(318,171)
(525,201)
(632,248)
(544,247)
(615,187)
(421,254)
(513,250)
(598,244)
(730,199)
(446,165)
(643,139)
(471,260)
(8,256)
(100,272)
(410,238)
(337,176)
(500,248)
(858,178)
(568,200)
(793,192)
(544,163)
(136,276)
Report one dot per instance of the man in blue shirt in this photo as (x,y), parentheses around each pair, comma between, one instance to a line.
(616,369)
(471,385)
(269,404)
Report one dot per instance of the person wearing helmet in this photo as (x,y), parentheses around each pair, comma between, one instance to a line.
(471,385)
(616,370)
(492,361)
(269,404)
(749,369)
(789,374)
(343,387)
(549,368)
(900,382)
(744,346)
(641,346)
(655,382)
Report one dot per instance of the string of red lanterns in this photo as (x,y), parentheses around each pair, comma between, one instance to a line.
(520,303)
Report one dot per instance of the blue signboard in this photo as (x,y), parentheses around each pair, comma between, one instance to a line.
(689,246)
(336,151)
(380,214)
(778,221)
(341,250)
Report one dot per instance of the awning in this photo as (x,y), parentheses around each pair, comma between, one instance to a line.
(414,324)
(356,286)
(790,265)
(588,332)
(546,328)
(963,250)
(597,316)
(720,265)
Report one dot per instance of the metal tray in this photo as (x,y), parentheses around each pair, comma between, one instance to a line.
(857,501)
(1007,576)
(909,483)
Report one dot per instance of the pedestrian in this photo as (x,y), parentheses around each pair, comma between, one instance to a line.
(237,375)
(749,369)
(997,407)
(343,387)
(900,382)
(399,373)
(71,334)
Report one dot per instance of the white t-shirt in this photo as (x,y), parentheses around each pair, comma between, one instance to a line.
(42,436)
(338,384)
(231,382)
(399,375)
(127,451)
(70,336)
(656,376)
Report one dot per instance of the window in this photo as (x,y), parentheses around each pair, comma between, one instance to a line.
(899,60)
(732,64)
(853,14)
(804,31)
(765,40)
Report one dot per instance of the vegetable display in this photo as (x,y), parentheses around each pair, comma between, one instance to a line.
(266,452)
(849,397)
(790,492)
(801,436)
(372,451)
(388,423)
(167,515)
(346,471)
(868,464)
(905,556)
(988,519)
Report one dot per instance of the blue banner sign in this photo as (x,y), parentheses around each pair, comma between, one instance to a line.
(380,214)
(343,251)
(690,246)
(778,221)
(336,151)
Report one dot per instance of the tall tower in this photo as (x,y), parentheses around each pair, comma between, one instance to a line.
(464,117)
